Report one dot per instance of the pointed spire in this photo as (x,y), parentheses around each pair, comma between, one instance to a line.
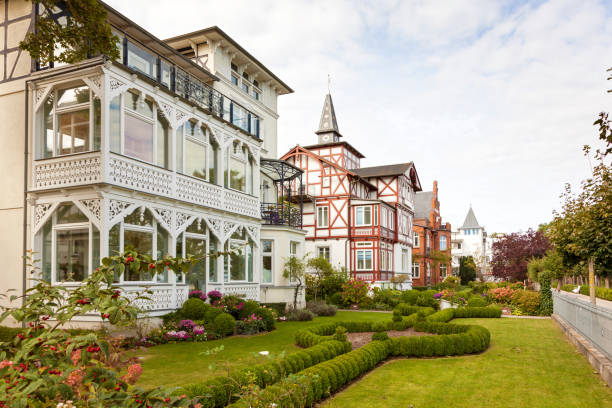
(328,123)
(470,220)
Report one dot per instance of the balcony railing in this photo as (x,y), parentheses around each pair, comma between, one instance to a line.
(281,214)
(89,168)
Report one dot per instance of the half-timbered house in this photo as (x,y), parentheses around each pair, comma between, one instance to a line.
(359,218)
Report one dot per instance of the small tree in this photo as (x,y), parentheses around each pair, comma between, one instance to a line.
(295,271)
(512,252)
(85,33)
(467,269)
(318,270)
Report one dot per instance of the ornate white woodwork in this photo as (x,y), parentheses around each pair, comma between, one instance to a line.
(118,209)
(116,87)
(199,192)
(140,176)
(95,84)
(163,297)
(246,290)
(42,212)
(241,203)
(67,171)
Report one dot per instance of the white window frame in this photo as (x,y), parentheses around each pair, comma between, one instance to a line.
(362,209)
(152,121)
(445,243)
(205,142)
(246,249)
(324,249)
(55,227)
(293,254)
(445,271)
(416,270)
(271,255)
(323,210)
(365,251)
(194,235)
(416,240)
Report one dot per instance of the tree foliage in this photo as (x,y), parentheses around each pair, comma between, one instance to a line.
(295,271)
(512,252)
(323,279)
(84,34)
(467,269)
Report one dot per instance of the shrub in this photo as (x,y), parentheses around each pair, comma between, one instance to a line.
(321,308)
(527,301)
(214,295)
(502,294)
(300,315)
(336,299)
(451,282)
(388,297)
(211,313)
(248,308)
(442,316)
(379,326)
(404,309)
(476,301)
(224,324)
(172,317)
(410,296)
(426,299)
(488,312)
(250,325)
(7,334)
(355,291)
(380,336)
(196,293)
(340,334)
(279,307)
(546,301)
(267,318)
(194,309)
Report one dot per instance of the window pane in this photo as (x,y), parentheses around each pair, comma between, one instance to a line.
(195,159)
(166,73)
(237,262)
(114,241)
(179,149)
(141,60)
(72,254)
(266,246)
(366,215)
(73,131)
(163,248)
(266,271)
(138,138)
(47,141)
(97,124)
(135,103)
(163,139)
(179,254)
(197,227)
(72,96)
(95,250)
(114,124)
(69,213)
(46,260)
(213,163)
(142,242)
(212,261)
(237,174)
(137,217)
(197,248)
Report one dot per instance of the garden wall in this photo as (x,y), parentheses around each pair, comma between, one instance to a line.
(594,322)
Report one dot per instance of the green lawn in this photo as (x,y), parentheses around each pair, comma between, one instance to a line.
(529,364)
(181,363)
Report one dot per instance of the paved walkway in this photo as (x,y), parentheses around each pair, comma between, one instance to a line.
(599,302)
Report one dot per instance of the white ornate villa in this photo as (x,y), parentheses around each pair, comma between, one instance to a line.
(169,149)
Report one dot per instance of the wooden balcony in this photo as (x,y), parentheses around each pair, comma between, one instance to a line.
(90,168)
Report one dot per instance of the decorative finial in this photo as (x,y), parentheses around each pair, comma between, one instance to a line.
(328,83)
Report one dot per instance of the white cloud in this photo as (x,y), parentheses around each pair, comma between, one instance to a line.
(494,100)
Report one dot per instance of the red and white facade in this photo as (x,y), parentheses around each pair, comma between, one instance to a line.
(358,218)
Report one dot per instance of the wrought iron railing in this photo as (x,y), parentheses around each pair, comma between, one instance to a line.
(281,214)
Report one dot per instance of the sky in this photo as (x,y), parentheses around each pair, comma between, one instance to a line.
(493,99)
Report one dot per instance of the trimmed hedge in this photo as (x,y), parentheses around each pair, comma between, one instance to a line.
(321,380)
(219,391)
(602,293)
(224,324)
(405,309)
(194,308)
(487,312)
(323,332)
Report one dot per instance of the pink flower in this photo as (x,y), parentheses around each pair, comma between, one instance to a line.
(75,378)
(75,356)
(133,374)
(6,363)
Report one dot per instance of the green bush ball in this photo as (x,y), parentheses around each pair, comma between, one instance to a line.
(225,324)
(194,309)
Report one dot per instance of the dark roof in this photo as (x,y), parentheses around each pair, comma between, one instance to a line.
(346,144)
(218,31)
(381,171)
(422,204)
(470,220)
(328,122)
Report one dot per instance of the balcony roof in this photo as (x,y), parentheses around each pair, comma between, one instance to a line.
(279,169)
(214,33)
(121,22)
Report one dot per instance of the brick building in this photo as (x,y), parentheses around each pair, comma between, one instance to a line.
(431,240)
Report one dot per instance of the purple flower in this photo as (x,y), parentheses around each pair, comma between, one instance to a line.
(437,296)
(186,324)
(197,330)
(214,295)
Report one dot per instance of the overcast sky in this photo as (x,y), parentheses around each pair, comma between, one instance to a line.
(494,99)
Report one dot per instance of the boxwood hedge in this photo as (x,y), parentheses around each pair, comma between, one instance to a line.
(219,391)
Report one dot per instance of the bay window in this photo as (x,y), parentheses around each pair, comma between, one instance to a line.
(68,122)
(70,246)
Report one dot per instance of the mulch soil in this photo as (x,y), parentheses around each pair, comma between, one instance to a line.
(363,338)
